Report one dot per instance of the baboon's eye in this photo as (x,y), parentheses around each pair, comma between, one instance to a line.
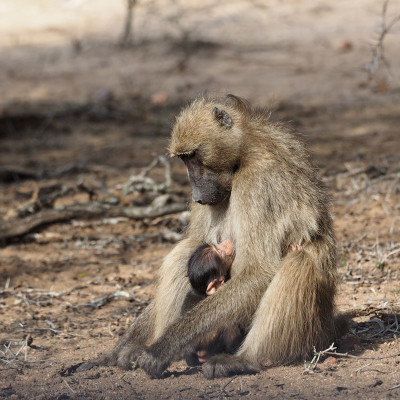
(187,157)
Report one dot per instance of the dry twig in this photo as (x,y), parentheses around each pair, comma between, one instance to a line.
(333,353)
(394,387)
(126,38)
(143,183)
(8,357)
(364,366)
(52,330)
(377,48)
(100,302)
(225,386)
(310,366)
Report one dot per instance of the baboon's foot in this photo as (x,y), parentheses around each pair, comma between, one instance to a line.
(122,356)
(222,365)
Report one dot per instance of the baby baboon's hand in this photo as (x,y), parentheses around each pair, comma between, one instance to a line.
(296,247)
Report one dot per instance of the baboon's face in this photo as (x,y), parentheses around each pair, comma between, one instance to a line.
(208,186)
(208,140)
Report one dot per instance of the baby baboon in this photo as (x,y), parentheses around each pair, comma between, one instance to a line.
(208,270)
(252,182)
(209,266)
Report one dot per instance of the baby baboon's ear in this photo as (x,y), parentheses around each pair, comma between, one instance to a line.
(223,118)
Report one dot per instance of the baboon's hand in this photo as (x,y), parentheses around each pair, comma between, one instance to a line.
(152,363)
(123,355)
(128,355)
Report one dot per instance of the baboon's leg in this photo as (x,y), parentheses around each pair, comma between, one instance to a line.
(171,291)
(235,302)
(295,314)
(173,286)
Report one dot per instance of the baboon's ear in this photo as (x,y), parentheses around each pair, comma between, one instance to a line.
(223,117)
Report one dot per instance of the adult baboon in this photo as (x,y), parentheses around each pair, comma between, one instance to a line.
(253,183)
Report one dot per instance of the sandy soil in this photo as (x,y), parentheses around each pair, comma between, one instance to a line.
(75,108)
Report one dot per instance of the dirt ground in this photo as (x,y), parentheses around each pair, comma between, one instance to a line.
(78,112)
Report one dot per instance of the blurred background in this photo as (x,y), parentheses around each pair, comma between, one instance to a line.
(89,205)
(78,51)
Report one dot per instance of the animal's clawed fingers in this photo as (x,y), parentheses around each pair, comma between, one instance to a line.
(151,364)
(223,365)
(128,356)
(296,247)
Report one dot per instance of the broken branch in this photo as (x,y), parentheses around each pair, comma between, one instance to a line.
(17,227)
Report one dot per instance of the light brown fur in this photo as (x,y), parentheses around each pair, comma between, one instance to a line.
(285,299)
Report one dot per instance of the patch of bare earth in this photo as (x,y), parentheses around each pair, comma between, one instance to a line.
(80,119)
